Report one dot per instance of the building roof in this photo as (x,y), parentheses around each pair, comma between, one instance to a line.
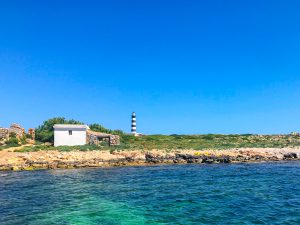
(70,126)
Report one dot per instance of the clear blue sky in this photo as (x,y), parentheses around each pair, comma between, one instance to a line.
(182,66)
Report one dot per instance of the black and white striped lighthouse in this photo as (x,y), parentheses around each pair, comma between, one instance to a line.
(133,123)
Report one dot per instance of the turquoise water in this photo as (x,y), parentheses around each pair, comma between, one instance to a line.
(266,193)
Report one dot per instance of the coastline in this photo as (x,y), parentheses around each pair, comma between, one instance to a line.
(16,161)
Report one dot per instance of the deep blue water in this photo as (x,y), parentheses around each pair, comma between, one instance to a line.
(266,193)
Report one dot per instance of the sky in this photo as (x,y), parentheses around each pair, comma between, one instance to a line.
(184,67)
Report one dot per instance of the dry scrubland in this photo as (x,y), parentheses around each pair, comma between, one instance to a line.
(183,142)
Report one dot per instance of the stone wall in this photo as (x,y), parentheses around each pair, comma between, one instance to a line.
(31,132)
(114,140)
(97,137)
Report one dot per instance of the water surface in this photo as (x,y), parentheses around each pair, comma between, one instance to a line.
(266,193)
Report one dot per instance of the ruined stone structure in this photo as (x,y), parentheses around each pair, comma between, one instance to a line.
(4,133)
(114,140)
(31,132)
(94,137)
(18,130)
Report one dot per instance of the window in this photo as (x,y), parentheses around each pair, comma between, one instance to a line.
(70,132)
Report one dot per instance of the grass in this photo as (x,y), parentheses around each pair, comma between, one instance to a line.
(8,146)
(60,148)
(179,142)
(210,141)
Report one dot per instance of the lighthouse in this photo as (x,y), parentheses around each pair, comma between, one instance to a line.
(133,123)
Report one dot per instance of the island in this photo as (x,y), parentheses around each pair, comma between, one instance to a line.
(104,148)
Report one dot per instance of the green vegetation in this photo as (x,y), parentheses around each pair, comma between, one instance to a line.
(180,142)
(60,148)
(13,140)
(100,128)
(8,145)
(209,141)
(45,132)
(29,136)
(23,140)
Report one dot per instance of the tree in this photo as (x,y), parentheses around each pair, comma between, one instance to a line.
(45,132)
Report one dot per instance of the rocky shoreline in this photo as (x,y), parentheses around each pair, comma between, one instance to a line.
(76,159)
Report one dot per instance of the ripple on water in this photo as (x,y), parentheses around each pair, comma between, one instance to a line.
(267,193)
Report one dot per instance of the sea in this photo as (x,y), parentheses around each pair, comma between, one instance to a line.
(246,193)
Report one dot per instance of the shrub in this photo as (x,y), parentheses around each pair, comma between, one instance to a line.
(209,137)
(29,136)
(12,141)
(8,146)
(12,135)
(99,128)
(23,140)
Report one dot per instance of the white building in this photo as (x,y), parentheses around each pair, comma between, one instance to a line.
(70,134)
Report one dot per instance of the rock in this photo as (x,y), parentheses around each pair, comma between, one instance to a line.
(151,158)
(209,160)
(199,160)
(48,144)
(239,158)
(290,155)
(52,165)
(4,167)
(15,168)
(187,158)
(179,160)
(129,159)
(224,159)
(258,157)
(183,156)
(62,166)
(27,168)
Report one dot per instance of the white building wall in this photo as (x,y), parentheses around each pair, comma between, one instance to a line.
(63,138)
